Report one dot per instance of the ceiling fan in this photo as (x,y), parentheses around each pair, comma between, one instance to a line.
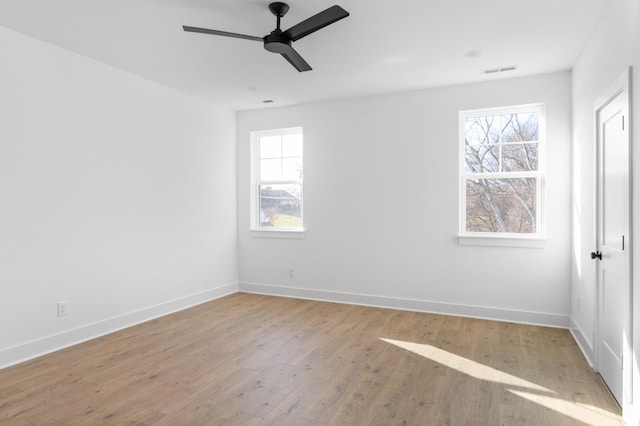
(279,41)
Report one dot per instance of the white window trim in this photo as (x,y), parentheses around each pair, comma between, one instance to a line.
(254,228)
(287,233)
(537,240)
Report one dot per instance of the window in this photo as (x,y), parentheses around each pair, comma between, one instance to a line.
(277,180)
(501,185)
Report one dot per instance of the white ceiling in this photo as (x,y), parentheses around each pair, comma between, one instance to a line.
(384,46)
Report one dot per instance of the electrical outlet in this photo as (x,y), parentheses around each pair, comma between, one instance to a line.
(62,309)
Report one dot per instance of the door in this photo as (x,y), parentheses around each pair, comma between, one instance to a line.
(612,254)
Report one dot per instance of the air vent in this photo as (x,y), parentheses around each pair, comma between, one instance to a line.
(498,69)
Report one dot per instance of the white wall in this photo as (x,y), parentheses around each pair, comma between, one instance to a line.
(613,47)
(381,207)
(116,194)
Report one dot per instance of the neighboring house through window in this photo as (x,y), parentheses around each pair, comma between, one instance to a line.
(501,167)
(277,171)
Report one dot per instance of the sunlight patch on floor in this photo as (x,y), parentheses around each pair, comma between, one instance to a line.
(582,412)
(466,366)
(579,411)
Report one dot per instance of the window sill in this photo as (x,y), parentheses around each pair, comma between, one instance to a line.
(502,241)
(293,234)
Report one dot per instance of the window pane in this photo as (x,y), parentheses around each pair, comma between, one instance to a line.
(270,147)
(520,127)
(292,168)
(520,157)
(292,145)
(271,169)
(280,206)
(482,158)
(501,205)
(482,130)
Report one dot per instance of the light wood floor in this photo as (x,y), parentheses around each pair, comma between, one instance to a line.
(248,360)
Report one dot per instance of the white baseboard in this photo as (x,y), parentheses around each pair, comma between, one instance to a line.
(29,350)
(483,312)
(585,344)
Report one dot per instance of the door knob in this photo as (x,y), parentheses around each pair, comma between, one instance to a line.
(596,255)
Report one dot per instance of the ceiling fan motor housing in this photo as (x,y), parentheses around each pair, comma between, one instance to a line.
(276,42)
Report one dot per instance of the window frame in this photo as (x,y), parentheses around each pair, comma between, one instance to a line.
(506,239)
(255,228)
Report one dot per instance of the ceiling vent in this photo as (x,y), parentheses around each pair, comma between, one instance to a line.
(498,70)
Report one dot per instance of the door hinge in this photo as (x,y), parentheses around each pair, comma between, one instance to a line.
(623,243)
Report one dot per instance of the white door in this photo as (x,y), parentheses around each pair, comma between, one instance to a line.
(613,243)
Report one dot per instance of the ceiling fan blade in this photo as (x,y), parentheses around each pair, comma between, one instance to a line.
(220,33)
(296,60)
(316,22)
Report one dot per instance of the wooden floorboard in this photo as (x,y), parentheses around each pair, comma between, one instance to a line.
(258,360)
